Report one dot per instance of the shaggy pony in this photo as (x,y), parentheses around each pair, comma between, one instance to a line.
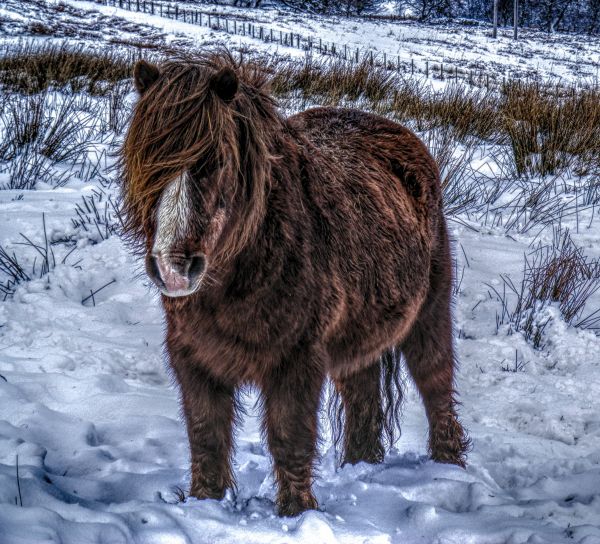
(288,250)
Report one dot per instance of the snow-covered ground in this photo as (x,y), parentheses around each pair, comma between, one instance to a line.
(556,58)
(93,446)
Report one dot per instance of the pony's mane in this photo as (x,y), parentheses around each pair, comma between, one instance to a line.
(181,122)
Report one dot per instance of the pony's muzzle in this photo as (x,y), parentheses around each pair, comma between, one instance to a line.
(175,276)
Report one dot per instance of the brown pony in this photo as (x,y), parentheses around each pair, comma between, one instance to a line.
(288,250)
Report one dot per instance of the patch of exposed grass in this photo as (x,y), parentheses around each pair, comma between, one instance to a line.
(559,273)
(32,67)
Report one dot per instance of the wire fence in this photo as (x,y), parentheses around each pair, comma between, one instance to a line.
(218,22)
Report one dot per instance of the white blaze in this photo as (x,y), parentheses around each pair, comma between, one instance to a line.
(173,215)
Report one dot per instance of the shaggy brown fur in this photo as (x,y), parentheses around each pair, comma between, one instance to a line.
(333,259)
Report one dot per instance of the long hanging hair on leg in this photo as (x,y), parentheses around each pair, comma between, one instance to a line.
(334,408)
(391,387)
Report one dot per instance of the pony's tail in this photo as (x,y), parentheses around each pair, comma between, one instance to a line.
(392,394)
(391,387)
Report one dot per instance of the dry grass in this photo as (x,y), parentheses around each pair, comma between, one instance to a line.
(552,129)
(331,80)
(31,67)
(558,273)
(40,131)
(549,130)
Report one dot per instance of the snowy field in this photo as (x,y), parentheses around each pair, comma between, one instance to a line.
(92,442)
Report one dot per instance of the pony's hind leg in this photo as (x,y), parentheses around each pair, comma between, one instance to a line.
(363,424)
(429,355)
(430,361)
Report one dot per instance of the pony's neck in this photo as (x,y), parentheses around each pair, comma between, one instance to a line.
(269,158)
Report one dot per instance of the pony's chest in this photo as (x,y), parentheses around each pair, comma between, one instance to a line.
(238,342)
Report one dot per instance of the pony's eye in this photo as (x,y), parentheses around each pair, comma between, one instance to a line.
(206,168)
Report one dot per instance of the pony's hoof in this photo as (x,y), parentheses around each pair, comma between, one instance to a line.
(201,492)
(294,506)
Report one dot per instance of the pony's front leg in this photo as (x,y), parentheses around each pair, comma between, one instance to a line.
(291,394)
(209,408)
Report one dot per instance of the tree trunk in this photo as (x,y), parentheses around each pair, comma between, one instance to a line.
(495,28)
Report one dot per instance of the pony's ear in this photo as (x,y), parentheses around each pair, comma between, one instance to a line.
(225,84)
(144,75)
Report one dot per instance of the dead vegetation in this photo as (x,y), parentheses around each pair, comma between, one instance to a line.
(33,67)
(557,274)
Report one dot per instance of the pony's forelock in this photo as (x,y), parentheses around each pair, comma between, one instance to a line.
(181,122)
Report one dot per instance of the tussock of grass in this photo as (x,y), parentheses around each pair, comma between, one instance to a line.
(40,131)
(31,67)
(558,273)
(552,129)
(332,80)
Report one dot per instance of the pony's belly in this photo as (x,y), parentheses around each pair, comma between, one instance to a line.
(361,340)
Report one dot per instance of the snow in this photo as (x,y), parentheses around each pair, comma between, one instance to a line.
(554,58)
(90,414)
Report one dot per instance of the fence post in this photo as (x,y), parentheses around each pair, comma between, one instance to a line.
(271,34)
(385,61)
(357,54)
(427,69)
(137,5)
(234,26)
(412,65)
(176,11)
(320,45)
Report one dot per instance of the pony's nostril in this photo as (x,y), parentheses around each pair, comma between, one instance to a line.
(153,271)
(197,265)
